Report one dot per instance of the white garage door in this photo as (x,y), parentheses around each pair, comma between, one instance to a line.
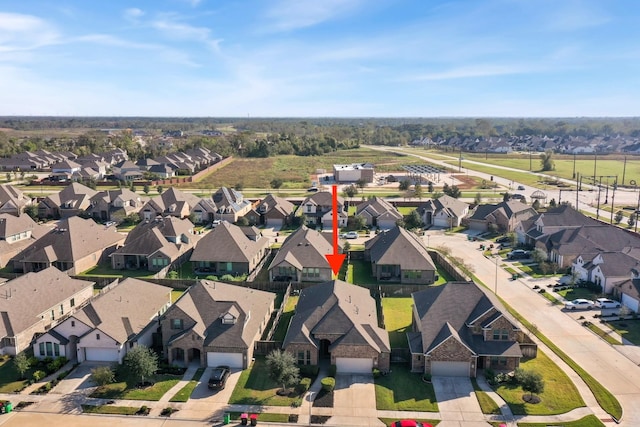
(274,222)
(101,354)
(632,303)
(450,369)
(353,365)
(233,360)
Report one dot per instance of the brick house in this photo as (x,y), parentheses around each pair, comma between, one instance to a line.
(379,213)
(16,234)
(505,216)
(459,328)
(338,321)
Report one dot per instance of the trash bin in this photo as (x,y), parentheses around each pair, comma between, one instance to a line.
(514,276)
(243,419)
(254,419)
(226,419)
(8,407)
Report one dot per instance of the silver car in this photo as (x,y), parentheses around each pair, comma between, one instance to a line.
(607,303)
(579,304)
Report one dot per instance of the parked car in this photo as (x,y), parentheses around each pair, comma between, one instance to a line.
(607,303)
(503,239)
(518,254)
(313,189)
(218,378)
(521,188)
(410,423)
(350,235)
(579,304)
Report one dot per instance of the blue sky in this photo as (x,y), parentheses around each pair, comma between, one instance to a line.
(283,58)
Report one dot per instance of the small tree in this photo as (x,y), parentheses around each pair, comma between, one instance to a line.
(546,161)
(283,369)
(361,183)
(430,187)
(239,186)
(102,375)
(146,189)
(276,183)
(159,189)
(413,220)
(142,362)
(532,383)
(349,191)
(417,191)
(618,217)
(478,199)
(32,211)
(536,204)
(404,185)
(632,220)
(22,364)
(539,256)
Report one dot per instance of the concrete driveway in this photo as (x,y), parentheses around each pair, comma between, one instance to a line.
(79,379)
(354,401)
(457,401)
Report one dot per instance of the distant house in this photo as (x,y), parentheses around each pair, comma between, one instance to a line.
(70,201)
(163,171)
(171,202)
(318,210)
(146,163)
(379,213)
(398,255)
(229,204)
(228,250)
(606,268)
(31,303)
(65,169)
(354,172)
(445,211)
(628,291)
(155,245)
(113,323)
(338,321)
(16,234)
(115,205)
(458,328)
(272,211)
(216,324)
(74,246)
(532,229)
(126,170)
(302,257)
(12,200)
(505,216)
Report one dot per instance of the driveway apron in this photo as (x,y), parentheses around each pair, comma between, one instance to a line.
(354,401)
(457,401)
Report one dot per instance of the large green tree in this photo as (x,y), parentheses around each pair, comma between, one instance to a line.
(282,368)
(546,161)
(142,362)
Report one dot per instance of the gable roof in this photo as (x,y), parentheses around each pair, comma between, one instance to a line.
(345,311)
(173,197)
(74,195)
(305,247)
(166,234)
(11,199)
(207,301)
(225,198)
(125,310)
(399,247)
(449,205)
(228,243)
(275,203)
(376,207)
(322,198)
(25,299)
(507,209)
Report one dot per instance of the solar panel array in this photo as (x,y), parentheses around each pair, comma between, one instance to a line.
(422,169)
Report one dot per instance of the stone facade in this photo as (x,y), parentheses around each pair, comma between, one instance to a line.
(451,350)
(380,360)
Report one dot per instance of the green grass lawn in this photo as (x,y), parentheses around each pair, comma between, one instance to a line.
(9,378)
(402,390)
(185,392)
(559,395)
(628,329)
(254,387)
(397,317)
(574,293)
(604,335)
(110,409)
(264,417)
(175,294)
(588,421)
(388,421)
(126,388)
(487,404)
(105,270)
(285,318)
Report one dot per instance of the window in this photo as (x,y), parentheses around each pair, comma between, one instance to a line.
(61,309)
(56,349)
(72,303)
(176,324)
(500,334)
(498,361)
(49,346)
(73,323)
(53,315)
(308,357)
(229,266)
(97,336)
(301,358)
(42,351)
(310,272)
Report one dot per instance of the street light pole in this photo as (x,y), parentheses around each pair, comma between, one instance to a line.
(310,403)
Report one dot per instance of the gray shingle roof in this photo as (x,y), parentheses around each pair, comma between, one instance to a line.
(228,243)
(399,247)
(308,247)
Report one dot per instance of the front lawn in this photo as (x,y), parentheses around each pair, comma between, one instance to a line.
(397,318)
(574,293)
(588,421)
(559,396)
(9,378)
(285,318)
(487,404)
(402,390)
(185,392)
(254,387)
(125,387)
(628,329)
(389,421)
(109,409)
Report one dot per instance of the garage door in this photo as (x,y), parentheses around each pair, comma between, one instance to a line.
(632,303)
(233,360)
(274,222)
(101,354)
(450,369)
(354,365)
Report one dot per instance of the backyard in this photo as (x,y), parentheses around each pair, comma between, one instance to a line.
(397,318)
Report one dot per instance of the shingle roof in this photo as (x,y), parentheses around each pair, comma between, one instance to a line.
(228,243)
(168,234)
(376,207)
(399,247)
(24,299)
(75,195)
(308,247)
(126,309)
(346,311)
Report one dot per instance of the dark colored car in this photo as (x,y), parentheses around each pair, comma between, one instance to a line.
(518,254)
(503,239)
(218,378)
(410,423)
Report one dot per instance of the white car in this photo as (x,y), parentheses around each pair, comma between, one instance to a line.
(579,304)
(607,303)
(350,235)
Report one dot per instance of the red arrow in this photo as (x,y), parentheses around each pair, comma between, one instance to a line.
(336,259)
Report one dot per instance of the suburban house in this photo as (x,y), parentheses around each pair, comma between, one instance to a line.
(12,200)
(228,250)
(126,171)
(503,216)
(70,201)
(607,268)
(120,318)
(354,172)
(379,213)
(115,205)
(17,233)
(163,171)
(74,246)
(628,291)
(400,256)
(532,229)
(216,324)
(229,204)
(338,321)
(146,163)
(64,170)
(171,202)
(458,328)
(31,303)
(272,211)
(156,245)
(302,257)
(318,210)
(445,212)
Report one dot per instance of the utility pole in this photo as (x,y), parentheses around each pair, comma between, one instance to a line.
(598,208)
(595,162)
(574,164)
(624,169)
(577,189)
(613,197)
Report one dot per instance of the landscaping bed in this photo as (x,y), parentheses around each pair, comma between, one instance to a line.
(115,410)
(324,399)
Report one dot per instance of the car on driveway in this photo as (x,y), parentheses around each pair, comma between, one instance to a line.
(503,239)
(218,378)
(579,304)
(410,423)
(521,188)
(607,303)
(350,235)
(518,254)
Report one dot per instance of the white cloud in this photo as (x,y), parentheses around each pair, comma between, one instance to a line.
(133,14)
(182,31)
(289,15)
(25,32)
(472,71)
